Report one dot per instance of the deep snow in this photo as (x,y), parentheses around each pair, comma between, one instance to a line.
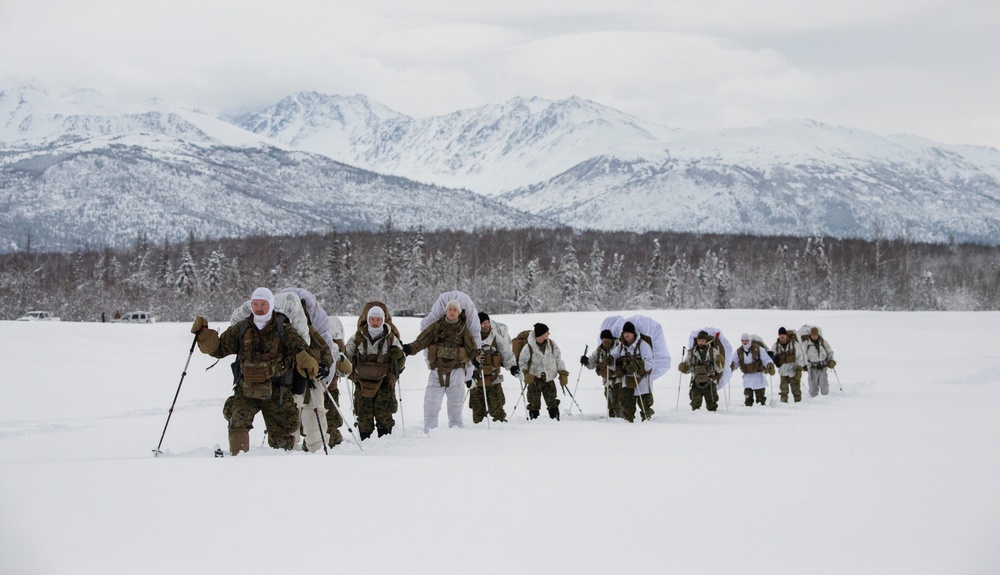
(896,474)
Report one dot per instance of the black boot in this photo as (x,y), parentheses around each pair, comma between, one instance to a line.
(533,414)
(384,431)
(365,434)
(748,394)
(554,413)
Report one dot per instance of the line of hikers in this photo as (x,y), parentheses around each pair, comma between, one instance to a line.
(291,356)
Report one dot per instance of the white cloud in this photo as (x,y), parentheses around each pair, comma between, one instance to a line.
(925,66)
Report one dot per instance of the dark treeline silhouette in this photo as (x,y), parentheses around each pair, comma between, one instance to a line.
(532,270)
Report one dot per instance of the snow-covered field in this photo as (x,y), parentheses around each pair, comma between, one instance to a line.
(897,473)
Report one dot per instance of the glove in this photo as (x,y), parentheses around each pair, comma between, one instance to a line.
(323,372)
(564,378)
(798,374)
(208,341)
(831,364)
(683,367)
(468,383)
(770,369)
(475,363)
(408,349)
(344,366)
(514,370)
(306,365)
(199,324)
(396,353)
(584,360)
(529,378)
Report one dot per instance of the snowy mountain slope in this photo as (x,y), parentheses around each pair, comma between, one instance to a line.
(488,149)
(76,172)
(841,197)
(590,166)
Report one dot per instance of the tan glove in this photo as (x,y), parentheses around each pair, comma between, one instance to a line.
(770,369)
(199,324)
(208,341)
(683,367)
(529,377)
(564,378)
(306,364)
(344,365)
(831,364)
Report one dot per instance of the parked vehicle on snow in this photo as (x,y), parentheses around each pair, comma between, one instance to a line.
(38,315)
(136,317)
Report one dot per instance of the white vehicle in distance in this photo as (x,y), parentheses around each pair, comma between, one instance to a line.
(136,317)
(38,315)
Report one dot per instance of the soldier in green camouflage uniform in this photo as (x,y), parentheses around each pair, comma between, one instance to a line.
(706,364)
(495,353)
(267,348)
(377,357)
(601,360)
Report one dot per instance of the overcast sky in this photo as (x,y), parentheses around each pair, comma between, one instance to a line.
(926,67)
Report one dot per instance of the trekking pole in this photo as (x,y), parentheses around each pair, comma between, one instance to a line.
(349,428)
(680,377)
(157,452)
(642,404)
(576,386)
(518,402)
(399,395)
(770,379)
(838,379)
(566,389)
(320,424)
(486,401)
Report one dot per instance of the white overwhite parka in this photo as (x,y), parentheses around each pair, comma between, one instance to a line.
(548,361)
(753,380)
(788,369)
(645,352)
(503,346)
(818,352)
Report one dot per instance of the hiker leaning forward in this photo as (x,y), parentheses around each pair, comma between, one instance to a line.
(267,349)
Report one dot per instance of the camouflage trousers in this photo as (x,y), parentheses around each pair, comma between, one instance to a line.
(333,419)
(281,416)
(536,391)
(749,395)
(629,403)
(709,392)
(495,398)
(790,383)
(613,393)
(375,411)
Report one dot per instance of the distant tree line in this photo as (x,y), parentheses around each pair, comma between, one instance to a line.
(520,271)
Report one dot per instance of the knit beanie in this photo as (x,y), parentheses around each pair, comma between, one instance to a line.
(541,329)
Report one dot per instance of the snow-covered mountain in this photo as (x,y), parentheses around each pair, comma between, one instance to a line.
(589,166)
(81,170)
(490,150)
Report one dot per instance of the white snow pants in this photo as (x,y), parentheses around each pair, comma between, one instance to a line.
(435,394)
(315,431)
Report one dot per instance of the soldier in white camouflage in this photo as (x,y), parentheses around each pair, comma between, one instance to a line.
(494,354)
(790,359)
(602,361)
(267,349)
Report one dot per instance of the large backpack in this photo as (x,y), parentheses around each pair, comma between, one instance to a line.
(518,343)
